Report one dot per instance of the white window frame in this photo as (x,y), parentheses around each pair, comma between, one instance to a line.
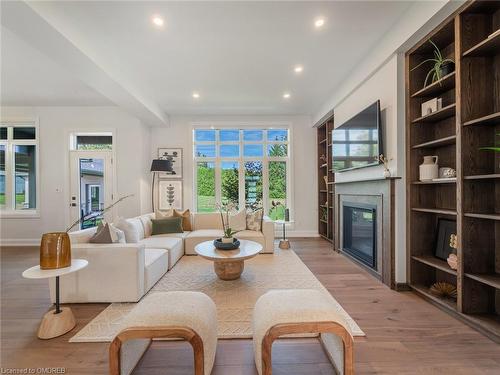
(10,210)
(217,160)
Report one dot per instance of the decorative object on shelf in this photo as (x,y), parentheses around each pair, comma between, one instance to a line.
(55,247)
(429,168)
(444,290)
(446,228)
(324,213)
(452,258)
(429,107)
(323,158)
(440,68)
(225,209)
(169,195)
(158,166)
(55,251)
(174,156)
(446,172)
(385,161)
(221,245)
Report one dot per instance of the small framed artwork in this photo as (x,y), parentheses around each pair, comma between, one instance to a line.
(175,156)
(445,229)
(169,195)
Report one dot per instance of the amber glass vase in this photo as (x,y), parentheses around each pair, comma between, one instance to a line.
(55,251)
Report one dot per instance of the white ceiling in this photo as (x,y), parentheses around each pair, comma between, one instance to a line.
(238,55)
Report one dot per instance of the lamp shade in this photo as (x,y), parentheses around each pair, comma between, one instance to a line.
(161,165)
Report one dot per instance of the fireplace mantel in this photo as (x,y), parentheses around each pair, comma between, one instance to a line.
(379,192)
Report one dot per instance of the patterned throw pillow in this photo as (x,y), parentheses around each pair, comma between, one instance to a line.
(254,219)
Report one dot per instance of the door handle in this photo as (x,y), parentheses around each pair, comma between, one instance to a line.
(73,204)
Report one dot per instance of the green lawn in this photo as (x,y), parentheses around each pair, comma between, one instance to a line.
(206,204)
(19,198)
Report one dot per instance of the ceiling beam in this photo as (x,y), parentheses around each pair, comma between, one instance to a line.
(29,24)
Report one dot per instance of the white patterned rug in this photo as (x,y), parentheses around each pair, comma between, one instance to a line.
(234,299)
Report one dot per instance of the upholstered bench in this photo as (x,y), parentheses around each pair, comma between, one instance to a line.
(191,316)
(300,311)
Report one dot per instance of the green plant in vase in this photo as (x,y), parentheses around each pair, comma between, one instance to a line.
(495,148)
(440,65)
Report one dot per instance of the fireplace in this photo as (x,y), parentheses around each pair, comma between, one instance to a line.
(360,232)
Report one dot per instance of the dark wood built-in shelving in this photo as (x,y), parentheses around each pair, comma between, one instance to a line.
(457,134)
(439,115)
(325,188)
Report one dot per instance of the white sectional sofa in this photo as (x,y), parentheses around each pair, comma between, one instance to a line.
(124,272)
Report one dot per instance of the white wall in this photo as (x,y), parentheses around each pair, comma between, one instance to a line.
(132,162)
(303,158)
(384,85)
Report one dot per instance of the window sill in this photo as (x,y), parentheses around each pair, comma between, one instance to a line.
(29,214)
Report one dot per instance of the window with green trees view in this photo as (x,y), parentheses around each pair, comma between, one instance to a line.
(247,166)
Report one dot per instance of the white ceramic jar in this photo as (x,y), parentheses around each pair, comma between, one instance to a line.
(429,169)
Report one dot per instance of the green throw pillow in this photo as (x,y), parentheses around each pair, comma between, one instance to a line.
(167,225)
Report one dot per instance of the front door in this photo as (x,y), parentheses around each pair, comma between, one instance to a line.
(91,186)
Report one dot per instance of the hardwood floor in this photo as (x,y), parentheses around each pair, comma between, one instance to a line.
(405,334)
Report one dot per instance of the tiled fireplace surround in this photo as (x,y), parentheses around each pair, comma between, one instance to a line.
(380,194)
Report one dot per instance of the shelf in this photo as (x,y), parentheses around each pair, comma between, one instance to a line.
(323,205)
(434,262)
(444,84)
(442,114)
(447,303)
(482,176)
(323,165)
(438,142)
(489,279)
(485,120)
(323,221)
(453,181)
(436,211)
(323,191)
(484,216)
(322,141)
(488,47)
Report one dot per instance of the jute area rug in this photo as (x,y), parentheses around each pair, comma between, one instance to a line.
(234,299)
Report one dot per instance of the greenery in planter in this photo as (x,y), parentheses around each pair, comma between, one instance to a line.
(492,148)
(439,65)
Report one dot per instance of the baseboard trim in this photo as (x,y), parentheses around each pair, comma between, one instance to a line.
(20,242)
(297,233)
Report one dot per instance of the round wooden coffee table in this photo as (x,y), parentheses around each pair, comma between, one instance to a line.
(228,264)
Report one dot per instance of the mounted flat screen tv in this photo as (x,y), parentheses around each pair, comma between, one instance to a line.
(357,143)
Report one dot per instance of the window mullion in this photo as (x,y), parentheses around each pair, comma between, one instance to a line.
(9,173)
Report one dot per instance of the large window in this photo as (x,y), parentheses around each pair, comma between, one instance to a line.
(247,166)
(18,167)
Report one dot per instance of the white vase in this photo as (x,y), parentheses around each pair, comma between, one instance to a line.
(387,173)
(227,239)
(429,169)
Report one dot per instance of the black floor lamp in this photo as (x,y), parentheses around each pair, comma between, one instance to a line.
(158,165)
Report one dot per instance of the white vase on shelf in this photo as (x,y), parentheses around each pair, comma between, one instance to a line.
(429,169)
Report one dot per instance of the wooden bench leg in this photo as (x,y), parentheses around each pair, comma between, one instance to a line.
(157,333)
(311,327)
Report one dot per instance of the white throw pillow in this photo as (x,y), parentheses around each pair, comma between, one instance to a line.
(147,224)
(131,234)
(163,215)
(238,221)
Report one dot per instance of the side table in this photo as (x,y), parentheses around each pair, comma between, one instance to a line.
(284,243)
(61,320)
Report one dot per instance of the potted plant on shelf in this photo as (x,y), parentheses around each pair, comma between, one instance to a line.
(492,148)
(225,209)
(440,67)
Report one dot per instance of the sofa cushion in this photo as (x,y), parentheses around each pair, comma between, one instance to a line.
(82,236)
(254,219)
(147,224)
(198,236)
(174,245)
(186,219)
(137,223)
(155,266)
(131,234)
(238,221)
(209,220)
(249,234)
(167,225)
(175,235)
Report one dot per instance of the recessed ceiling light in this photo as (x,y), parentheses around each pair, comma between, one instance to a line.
(319,22)
(298,68)
(196,95)
(286,95)
(157,21)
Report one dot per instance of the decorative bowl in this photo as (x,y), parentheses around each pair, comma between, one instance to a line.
(226,246)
